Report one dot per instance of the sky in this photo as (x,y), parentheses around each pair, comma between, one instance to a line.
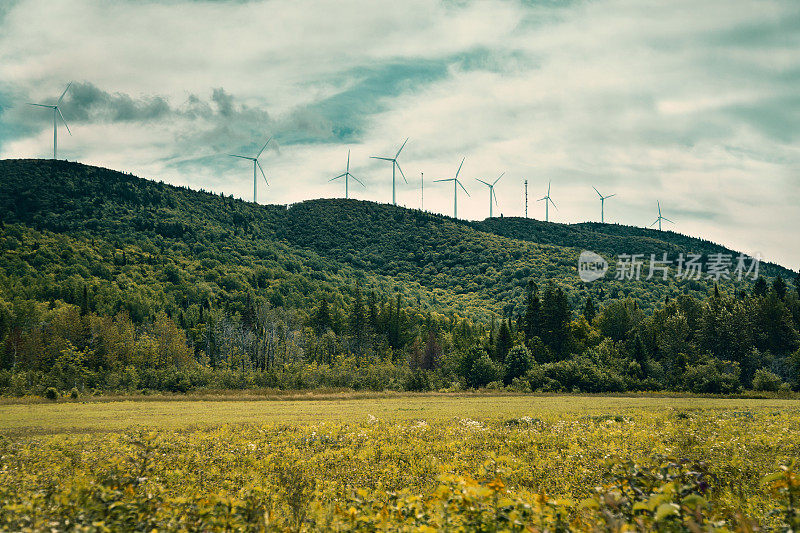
(691,104)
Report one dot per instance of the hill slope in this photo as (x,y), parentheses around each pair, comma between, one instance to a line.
(72,230)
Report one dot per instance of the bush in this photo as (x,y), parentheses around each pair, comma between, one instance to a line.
(518,362)
(51,393)
(484,371)
(764,380)
(74,393)
(715,376)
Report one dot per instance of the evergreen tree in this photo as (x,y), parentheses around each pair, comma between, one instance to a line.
(373,311)
(323,321)
(532,318)
(556,316)
(504,342)
(357,315)
(760,287)
(797,284)
(779,286)
(589,312)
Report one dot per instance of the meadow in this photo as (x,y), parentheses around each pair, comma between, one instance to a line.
(403,462)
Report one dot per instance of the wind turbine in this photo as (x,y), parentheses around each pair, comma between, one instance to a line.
(56,114)
(602,202)
(660,218)
(547,202)
(395,164)
(256,164)
(456,185)
(492,194)
(347,175)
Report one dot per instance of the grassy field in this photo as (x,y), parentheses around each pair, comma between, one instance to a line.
(401,463)
(79,417)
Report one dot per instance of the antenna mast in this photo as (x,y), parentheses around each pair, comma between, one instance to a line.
(526,198)
(422,199)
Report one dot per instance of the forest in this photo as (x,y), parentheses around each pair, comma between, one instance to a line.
(112,283)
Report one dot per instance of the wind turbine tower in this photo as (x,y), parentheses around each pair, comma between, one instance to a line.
(660,218)
(256,165)
(56,114)
(346,177)
(396,165)
(492,195)
(456,185)
(547,202)
(602,202)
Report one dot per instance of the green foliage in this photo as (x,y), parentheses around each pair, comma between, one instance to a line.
(51,393)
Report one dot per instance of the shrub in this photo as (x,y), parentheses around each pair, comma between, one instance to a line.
(51,393)
(74,393)
(764,380)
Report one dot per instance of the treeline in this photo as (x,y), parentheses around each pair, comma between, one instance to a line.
(723,343)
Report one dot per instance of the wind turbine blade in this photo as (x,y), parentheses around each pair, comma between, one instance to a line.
(348,160)
(64,121)
(494,195)
(241,157)
(401,148)
(540,199)
(548,188)
(552,202)
(483,182)
(668,220)
(358,180)
(654,223)
(465,190)
(263,148)
(459,167)
(447,179)
(62,94)
(337,177)
(610,195)
(401,170)
(498,179)
(262,171)
(659,208)
(383,158)
(42,105)
(598,192)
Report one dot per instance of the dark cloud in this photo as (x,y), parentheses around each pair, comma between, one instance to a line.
(87,103)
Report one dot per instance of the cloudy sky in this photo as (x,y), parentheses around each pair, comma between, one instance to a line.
(695,104)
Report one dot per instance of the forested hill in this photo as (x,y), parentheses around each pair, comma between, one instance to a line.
(76,233)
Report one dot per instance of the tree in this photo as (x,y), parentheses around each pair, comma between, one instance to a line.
(760,287)
(432,353)
(532,319)
(518,362)
(357,315)
(588,310)
(503,343)
(797,284)
(556,316)
(322,320)
(779,286)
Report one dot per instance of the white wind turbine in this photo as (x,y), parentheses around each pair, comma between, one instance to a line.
(256,164)
(346,176)
(56,114)
(492,194)
(547,202)
(602,202)
(396,165)
(456,185)
(660,218)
